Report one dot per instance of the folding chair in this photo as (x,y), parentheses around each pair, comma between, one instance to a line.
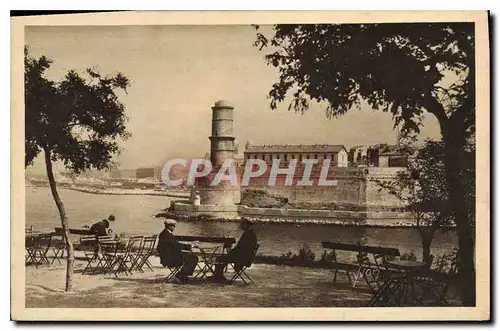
(241,274)
(387,293)
(383,283)
(134,253)
(173,272)
(40,248)
(109,257)
(29,244)
(91,251)
(105,245)
(145,251)
(124,256)
(58,247)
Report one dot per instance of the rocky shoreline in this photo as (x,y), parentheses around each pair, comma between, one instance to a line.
(120,191)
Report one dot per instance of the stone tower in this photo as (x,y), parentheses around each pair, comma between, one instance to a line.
(221,148)
(222,139)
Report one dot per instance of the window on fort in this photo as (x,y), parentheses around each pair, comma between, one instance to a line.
(286,157)
(263,157)
(316,156)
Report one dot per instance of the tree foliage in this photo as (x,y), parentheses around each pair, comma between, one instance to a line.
(422,187)
(424,191)
(406,69)
(397,68)
(77,119)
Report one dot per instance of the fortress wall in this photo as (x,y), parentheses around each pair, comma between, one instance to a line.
(355,187)
(377,197)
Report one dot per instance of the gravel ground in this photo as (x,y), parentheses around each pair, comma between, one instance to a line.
(275,286)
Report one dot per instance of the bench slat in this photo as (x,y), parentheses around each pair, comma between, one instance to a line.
(81,232)
(357,248)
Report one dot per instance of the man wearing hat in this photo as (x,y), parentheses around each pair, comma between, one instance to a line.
(239,254)
(172,255)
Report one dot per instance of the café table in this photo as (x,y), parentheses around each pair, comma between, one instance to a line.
(409,270)
(208,255)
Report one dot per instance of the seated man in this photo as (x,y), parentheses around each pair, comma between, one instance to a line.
(172,255)
(100,228)
(240,254)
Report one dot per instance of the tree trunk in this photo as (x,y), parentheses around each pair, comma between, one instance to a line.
(426,248)
(64,220)
(453,163)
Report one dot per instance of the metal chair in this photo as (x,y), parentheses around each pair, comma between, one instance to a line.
(384,283)
(241,274)
(145,251)
(58,247)
(123,256)
(38,247)
(174,269)
(90,248)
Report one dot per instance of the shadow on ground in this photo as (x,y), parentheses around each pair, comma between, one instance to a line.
(275,286)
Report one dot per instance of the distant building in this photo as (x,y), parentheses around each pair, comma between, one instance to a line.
(148,172)
(336,153)
(123,174)
(392,159)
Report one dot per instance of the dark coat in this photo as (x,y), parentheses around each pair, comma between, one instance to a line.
(170,250)
(242,253)
(99,229)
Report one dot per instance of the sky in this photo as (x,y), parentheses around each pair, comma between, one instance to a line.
(179,72)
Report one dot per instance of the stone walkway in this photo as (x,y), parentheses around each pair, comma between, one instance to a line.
(275,286)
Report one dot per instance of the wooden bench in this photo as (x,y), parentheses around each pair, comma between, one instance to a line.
(379,256)
(80,232)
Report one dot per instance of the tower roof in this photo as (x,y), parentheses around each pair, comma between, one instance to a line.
(223,104)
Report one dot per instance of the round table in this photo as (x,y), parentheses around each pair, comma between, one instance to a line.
(409,270)
(406,264)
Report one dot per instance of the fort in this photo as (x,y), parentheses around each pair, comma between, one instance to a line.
(356,198)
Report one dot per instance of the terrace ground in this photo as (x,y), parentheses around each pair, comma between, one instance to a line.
(275,286)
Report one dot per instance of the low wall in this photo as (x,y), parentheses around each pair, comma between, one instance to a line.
(349,218)
(225,212)
(330,216)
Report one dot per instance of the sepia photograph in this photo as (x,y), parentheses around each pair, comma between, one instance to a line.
(264,163)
